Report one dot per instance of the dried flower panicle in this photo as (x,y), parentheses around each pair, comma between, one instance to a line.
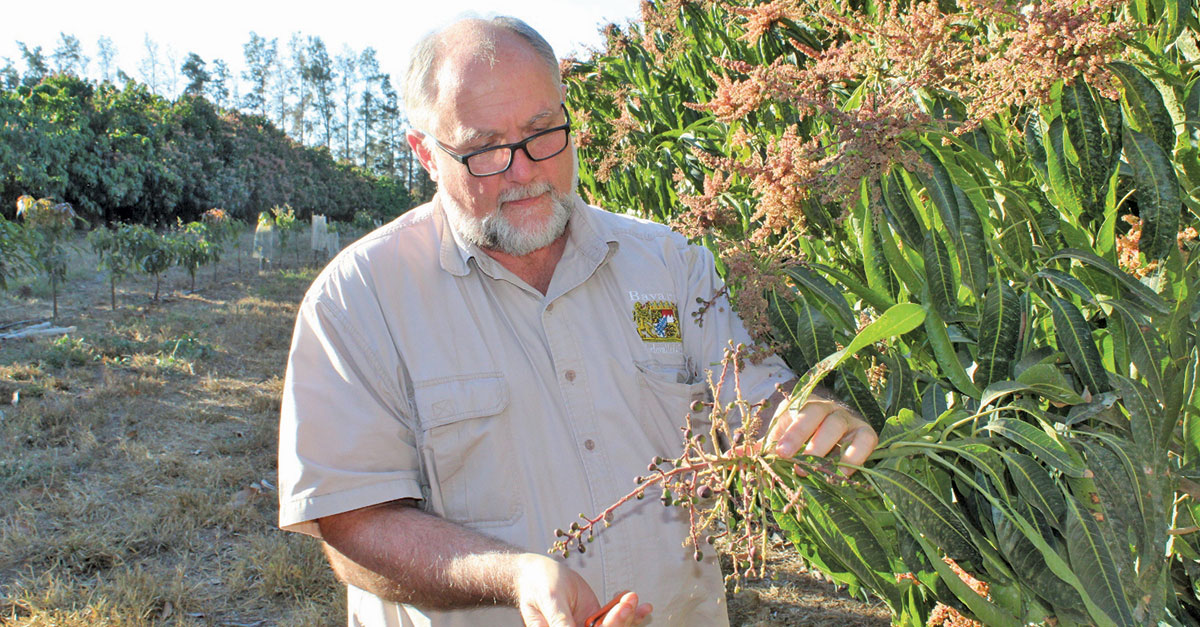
(720,454)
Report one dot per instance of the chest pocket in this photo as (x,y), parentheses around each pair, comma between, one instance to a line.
(466,445)
(667,393)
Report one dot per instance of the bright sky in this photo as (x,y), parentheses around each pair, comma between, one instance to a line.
(219,28)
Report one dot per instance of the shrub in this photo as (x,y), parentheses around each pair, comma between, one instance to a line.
(1029,200)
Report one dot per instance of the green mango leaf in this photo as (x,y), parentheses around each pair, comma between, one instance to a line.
(999,390)
(901,389)
(1092,561)
(1147,113)
(900,214)
(941,189)
(1048,381)
(1059,174)
(875,266)
(1191,109)
(988,612)
(1035,440)
(999,329)
(1135,288)
(814,335)
(815,285)
(1158,194)
(973,257)
(1029,565)
(873,298)
(1121,509)
(947,358)
(1067,282)
(785,326)
(1075,339)
(1036,486)
(859,395)
(1033,142)
(897,320)
(1086,134)
(859,545)
(1145,349)
(1150,425)
(939,276)
(926,514)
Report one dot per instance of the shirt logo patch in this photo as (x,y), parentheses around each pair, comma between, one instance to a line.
(657,321)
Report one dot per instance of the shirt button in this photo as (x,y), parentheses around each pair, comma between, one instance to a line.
(570,375)
(550,308)
(589,445)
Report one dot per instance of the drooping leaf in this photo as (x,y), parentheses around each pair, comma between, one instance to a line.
(897,320)
(1092,561)
(941,189)
(814,334)
(814,284)
(1028,563)
(1086,134)
(926,513)
(1075,339)
(1034,440)
(786,328)
(1033,142)
(1048,380)
(947,358)
(1133,287)
(859,395)
(1147,113)
(1146,352)
(1036,486)
(1067,282)
(973,257)
(999,327)
(939,276)
(987,611)
(901,386)
(900,214)
(1150,425)
(1158,194)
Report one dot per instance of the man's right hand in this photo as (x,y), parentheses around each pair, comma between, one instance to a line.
(551,595)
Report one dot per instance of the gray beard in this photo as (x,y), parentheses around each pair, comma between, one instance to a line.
(495,232)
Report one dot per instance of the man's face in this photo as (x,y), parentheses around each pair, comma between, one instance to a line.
(486,104)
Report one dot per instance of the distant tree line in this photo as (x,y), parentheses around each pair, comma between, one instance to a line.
(306,128)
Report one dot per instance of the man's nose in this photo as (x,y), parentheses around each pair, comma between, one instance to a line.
(522,166)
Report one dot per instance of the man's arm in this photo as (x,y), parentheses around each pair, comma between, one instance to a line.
(404,555)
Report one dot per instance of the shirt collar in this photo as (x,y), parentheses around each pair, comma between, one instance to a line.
(589,236)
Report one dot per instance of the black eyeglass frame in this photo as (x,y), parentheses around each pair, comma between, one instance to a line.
(512,148)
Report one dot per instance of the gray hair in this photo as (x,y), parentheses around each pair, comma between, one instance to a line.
(420,88)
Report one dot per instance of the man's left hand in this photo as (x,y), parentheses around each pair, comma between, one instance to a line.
(820,426)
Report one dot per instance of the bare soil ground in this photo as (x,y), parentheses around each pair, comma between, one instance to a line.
(137,464)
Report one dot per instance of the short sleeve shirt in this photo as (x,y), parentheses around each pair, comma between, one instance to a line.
(421,368)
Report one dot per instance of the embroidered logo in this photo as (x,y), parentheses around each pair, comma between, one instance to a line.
(657,321)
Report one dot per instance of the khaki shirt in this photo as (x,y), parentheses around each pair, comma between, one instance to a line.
(421,368)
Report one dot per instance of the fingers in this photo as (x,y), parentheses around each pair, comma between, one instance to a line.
(862,443)
(794,429)
(819,427)
(627,612)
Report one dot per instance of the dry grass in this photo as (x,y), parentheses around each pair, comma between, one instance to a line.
(137,465)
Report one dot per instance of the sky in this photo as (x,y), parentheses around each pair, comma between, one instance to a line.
(219,28)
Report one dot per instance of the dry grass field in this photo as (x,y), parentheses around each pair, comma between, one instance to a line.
(137,463)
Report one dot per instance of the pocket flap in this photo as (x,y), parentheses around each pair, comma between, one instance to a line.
(450,399)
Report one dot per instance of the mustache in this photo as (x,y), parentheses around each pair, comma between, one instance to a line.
(525,191)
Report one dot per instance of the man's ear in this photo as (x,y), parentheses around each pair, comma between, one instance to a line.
(416,141)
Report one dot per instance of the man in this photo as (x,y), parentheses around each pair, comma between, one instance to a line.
(470,377)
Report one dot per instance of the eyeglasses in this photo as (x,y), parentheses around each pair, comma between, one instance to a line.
(498,159)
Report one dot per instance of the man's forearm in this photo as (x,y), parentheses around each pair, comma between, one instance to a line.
(404,555)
